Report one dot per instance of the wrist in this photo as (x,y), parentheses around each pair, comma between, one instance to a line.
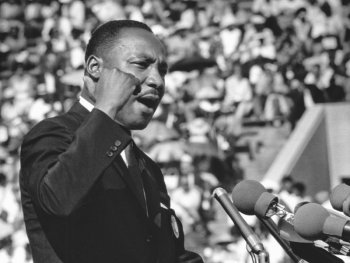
(107,109)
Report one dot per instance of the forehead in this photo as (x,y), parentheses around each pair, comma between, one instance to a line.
(137,40)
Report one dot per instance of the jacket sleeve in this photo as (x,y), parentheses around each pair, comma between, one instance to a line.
(60,165)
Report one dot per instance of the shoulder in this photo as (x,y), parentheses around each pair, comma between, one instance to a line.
(63,123)
(47,133)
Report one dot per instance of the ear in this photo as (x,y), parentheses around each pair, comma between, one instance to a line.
(94,67)
(92,74)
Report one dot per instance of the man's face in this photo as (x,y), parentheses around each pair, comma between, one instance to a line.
(141,54)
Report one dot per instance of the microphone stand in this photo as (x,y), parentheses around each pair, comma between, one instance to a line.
(271,226)
(247,233)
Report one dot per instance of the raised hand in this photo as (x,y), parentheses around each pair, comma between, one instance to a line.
(113,90)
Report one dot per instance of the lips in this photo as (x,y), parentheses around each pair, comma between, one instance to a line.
(149,98)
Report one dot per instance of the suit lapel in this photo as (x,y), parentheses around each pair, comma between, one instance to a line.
(152,196)
(152,191)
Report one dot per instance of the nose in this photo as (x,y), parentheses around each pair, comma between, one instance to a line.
(155,80)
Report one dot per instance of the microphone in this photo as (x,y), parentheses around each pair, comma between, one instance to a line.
(247,233)
(251,198)
(330,211)
(340,198)
(313,222)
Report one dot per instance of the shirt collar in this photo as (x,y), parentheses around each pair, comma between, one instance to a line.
(86,104)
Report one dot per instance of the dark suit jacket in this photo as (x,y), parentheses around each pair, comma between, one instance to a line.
(80,203)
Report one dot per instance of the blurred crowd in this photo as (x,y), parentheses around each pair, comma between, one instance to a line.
(232,64)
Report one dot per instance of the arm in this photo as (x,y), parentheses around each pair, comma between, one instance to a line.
(60,168)
(60,165)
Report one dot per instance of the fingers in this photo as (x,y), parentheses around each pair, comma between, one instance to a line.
(114,76)
(135,80)
(136,83)
(127,80)
(114,90)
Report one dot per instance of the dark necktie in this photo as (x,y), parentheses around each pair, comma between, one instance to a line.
(135,171)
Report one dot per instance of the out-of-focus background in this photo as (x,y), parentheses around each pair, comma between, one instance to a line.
(257,89)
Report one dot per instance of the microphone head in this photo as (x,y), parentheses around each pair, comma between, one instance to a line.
(296,208)
(245,195)
(309,221)
(338,196)
(263,204)
(346,206)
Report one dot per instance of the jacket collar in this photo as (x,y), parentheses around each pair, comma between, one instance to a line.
(78,111)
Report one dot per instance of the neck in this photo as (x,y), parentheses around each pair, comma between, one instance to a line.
(86,95)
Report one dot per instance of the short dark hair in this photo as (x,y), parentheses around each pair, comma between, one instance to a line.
(300,186)
(287,178)
(102,38)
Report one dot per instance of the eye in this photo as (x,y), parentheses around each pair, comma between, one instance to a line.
(141,64)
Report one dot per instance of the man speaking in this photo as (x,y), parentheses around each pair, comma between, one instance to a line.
(88,193)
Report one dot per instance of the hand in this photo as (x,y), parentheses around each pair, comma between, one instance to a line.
(113,90)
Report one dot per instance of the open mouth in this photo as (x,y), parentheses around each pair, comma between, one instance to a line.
(150,100)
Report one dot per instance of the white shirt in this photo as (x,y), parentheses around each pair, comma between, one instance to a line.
(87,105)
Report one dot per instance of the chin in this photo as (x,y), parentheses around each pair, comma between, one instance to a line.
(138,125)
(135,119)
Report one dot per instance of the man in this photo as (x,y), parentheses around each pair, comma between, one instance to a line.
(81,199)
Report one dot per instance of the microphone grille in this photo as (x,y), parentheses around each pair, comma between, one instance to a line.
(245,195)
(338,195)
(309,221)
